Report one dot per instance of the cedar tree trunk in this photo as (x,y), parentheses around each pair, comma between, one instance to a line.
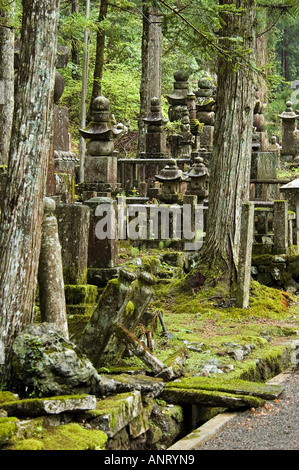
(21,219)
(7,78)
(231,158)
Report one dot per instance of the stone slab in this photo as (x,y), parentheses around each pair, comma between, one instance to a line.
(52,405)
(210,398)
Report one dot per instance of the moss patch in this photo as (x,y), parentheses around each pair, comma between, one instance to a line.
(8,428)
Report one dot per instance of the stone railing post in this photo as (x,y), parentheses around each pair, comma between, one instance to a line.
(280,227)
(245,253)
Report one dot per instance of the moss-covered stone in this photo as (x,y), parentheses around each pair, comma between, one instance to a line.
(76,325)
(210,398)
(238,387)
(29,444)
(50,405)
(6,396)
(66,437)
(115,412)
(8,428)
(80,309)
(81,294)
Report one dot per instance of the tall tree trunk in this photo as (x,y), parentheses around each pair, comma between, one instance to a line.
(151,51)
(231,158)
(7,78)
(285,55)
(100,49)
(75,46)
(21,219)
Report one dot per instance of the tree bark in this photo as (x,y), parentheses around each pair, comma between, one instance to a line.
(151,51)
(21,219)
(100,50)
(231,158)
(7,78)
(75,46)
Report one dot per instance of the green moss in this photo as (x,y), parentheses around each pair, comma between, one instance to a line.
(151,264)
(29,444)
(130,308)
(227,385)
(6,397)
(81,294)
(8,427)
(71,437)
(80,309)
(76,325)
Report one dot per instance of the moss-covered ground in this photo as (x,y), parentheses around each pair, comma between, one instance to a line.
(209,326)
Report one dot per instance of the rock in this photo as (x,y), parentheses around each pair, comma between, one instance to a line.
(237,354)
(8,428)
(52,405)
(170,420)
(114,413)
(207,398)
(49,365)
(149,386)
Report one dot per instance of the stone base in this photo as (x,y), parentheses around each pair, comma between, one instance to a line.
(90,190)
(100,169)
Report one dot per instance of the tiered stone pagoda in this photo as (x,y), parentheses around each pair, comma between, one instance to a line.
(198,176)
(290,135)
(205,107)
(100,168)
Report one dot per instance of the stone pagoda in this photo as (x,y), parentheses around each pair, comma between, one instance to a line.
(290,135)
(100,166)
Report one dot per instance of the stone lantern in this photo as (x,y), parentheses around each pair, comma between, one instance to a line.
(171,177)
(198,176)
(290,135)
(100,170)
(291,191)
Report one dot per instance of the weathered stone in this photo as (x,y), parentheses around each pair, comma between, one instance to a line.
(114,413)
(206,398)
(290,134)
(50,274)
(52,405)
(245,253)
(73,226)
(263,166)
(61,128)
(141,423)
(236,386)
(170,420)
(124,299)
(155,146)
(46,363)
(8,429)
(102,244)
(149,386)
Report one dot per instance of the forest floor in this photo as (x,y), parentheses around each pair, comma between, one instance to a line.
(218,337)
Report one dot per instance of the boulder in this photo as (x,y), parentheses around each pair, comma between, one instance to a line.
(46,364)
